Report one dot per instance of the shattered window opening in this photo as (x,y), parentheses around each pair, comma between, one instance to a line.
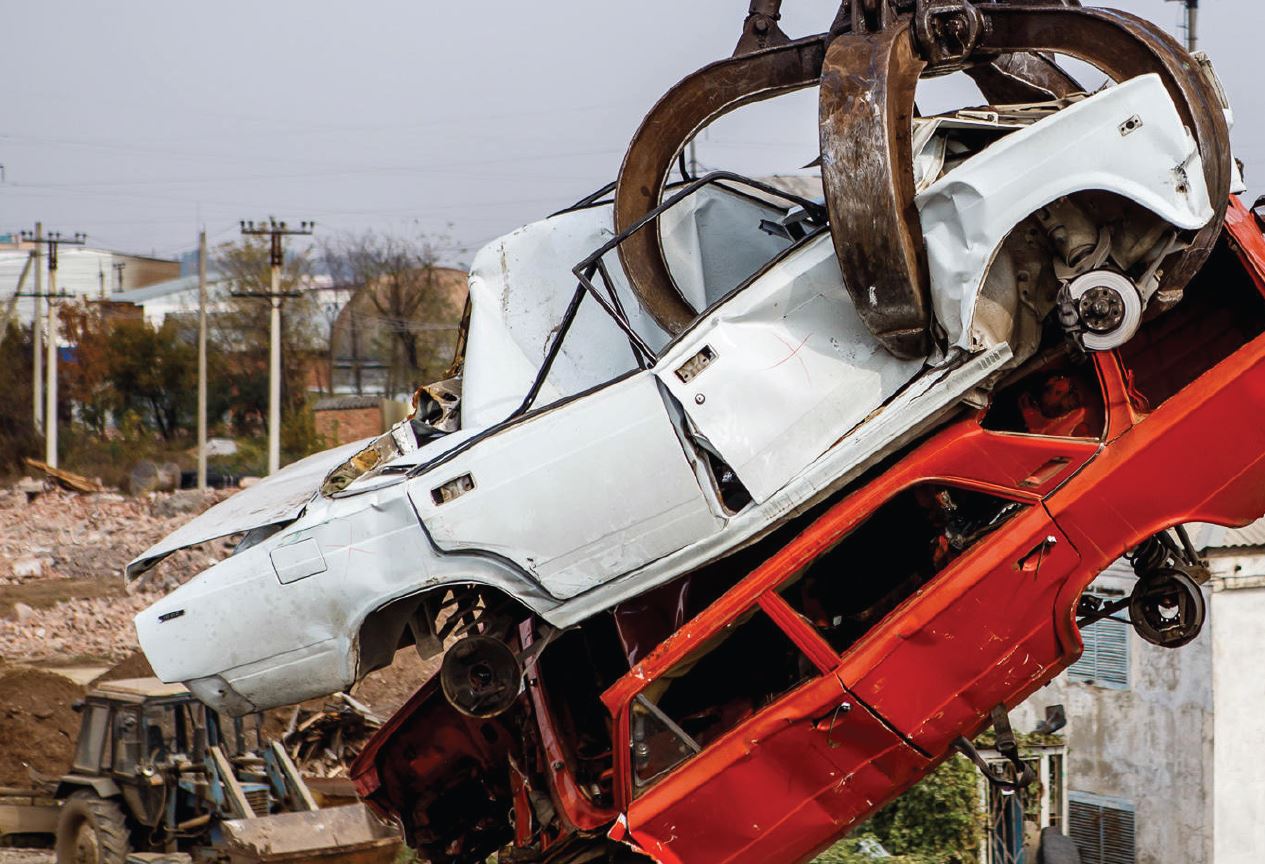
(724,682)
(1062,397)
(586,269)
(888,558)
(659,745)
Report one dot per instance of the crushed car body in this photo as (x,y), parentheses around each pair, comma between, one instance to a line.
(759,710)
(891,433)
(630,476)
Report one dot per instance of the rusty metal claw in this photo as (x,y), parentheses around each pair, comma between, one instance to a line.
(701,97)
(868,67)
(866,112)
(761,30)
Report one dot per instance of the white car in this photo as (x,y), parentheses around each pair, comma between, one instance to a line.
(596,458)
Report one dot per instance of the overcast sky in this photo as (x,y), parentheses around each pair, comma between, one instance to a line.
(137,120)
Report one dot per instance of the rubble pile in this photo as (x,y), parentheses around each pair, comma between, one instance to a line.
(62,593)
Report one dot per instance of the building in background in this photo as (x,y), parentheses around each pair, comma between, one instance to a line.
(1155,737)
(390,345)
(343,419)
(82,271)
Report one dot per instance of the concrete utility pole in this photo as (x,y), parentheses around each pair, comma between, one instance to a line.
(37,327)
(1192,23)
(53,241)
(202,360)
(275,231)
(119,267)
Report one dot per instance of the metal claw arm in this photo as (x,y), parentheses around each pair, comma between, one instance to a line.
(873,58)
(866,112)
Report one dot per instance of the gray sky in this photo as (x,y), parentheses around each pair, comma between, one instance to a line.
(136,120)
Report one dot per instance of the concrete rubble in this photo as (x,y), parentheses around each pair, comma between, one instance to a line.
(62,595)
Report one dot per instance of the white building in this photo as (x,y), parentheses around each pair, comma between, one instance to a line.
(82,272)
(1162,745)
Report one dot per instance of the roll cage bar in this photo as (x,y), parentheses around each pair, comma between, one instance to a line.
(593,267)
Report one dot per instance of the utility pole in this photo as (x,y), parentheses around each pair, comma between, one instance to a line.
(53,241)
(275,231)
(1192,24)
(202,360)
(119,267)
(37,326)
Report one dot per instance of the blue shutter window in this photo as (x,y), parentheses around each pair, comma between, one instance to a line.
(1102,828)
(1106,658)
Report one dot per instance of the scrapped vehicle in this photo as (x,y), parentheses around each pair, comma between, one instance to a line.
(606,441)
(758,708)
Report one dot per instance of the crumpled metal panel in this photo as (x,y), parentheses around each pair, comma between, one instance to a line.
(968,212)
(595,488)
(279,498)
(794,370)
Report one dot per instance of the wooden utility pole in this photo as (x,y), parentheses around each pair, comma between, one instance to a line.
(202,360)
(53,241)
(275,231)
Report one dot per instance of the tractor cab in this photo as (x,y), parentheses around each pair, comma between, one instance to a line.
(156,771)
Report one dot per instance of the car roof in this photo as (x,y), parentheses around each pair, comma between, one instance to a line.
(139,688)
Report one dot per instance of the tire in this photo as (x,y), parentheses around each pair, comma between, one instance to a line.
(92,830)
(1057,849)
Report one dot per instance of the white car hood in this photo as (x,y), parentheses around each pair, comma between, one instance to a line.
(279,498)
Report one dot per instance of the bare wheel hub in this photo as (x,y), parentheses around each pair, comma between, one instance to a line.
(1101,309)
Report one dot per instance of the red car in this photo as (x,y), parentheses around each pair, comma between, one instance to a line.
(759,709)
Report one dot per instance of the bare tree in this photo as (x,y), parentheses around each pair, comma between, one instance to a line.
(403,308)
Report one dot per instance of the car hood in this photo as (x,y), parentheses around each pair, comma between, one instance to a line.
(279,498)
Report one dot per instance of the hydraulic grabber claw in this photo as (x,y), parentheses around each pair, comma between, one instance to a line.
(868,66)
(866,114)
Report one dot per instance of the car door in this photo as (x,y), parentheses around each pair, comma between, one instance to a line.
(721,765)
(776,374)
(575,495)
(983,633)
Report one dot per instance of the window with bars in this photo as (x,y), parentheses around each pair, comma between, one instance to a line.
(1102,828)
(1011,816)
(1106,658)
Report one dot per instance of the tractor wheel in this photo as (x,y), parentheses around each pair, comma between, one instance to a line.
(92,830)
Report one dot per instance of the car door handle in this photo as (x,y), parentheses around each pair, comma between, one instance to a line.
(1045,473)
(826,723)
(1031,562)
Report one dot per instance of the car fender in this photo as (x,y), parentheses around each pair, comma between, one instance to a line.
(1091,145)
